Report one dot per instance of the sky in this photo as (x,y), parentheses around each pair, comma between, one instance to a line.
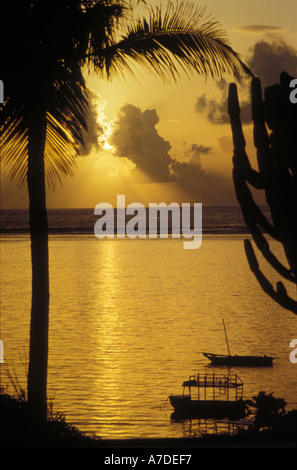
(171,142)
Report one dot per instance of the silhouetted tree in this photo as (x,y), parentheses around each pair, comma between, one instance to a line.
(44,52)
(268,410)
(277,176)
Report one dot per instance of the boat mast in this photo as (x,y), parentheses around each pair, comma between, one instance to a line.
(226,338)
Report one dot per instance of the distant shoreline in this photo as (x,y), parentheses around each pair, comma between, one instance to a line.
(4,232)
(216,220)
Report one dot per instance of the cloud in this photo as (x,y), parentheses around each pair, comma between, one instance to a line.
(267,60)
(136,137)
(94,136)
(260,28)
(217,110)
(194,153)
(208,188)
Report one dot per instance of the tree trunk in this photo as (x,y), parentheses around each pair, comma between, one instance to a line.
(38,356)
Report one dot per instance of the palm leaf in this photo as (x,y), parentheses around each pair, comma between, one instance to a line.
(67,112)
(181,38)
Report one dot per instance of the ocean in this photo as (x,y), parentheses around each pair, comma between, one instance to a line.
(215,220)
(130,318)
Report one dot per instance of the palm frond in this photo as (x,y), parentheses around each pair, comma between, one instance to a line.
(67,113)
(180,39)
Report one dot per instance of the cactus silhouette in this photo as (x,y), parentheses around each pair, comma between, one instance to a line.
(276,176)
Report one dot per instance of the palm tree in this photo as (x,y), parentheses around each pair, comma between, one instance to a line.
(268,410)
(47,48)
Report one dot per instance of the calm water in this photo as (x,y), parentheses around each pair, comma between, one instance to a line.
(128,319)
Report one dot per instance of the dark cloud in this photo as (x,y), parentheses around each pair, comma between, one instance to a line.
(260,28)
(207,188)
(95,130)
(267,60)
(194,153)
(217,110)
(136,137)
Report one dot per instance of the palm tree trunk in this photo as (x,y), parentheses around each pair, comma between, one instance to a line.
(38,356)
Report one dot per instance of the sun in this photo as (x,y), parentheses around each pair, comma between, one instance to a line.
(106,128)
(106,135)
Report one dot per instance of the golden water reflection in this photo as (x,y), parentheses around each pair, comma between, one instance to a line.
(128,319)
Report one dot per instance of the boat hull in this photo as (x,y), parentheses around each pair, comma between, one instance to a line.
(185,407)
(242,361)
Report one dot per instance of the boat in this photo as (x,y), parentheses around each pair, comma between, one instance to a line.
(238,360)
(217,397)
(241,361)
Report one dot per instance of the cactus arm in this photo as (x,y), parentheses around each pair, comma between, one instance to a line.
(254,218)
(240,158)
(280,294)
(275,183)
(261,138)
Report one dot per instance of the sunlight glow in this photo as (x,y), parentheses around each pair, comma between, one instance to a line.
(107,126)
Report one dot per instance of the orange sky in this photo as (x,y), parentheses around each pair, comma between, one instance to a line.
(172,142)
